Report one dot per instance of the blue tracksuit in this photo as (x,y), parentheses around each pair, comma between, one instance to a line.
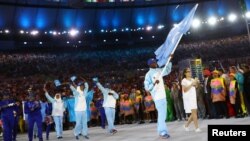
(33,109)
(101,110)
(8,116)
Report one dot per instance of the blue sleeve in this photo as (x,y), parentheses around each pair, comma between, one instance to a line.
(168,69)
(240,78)
(86,89)
(89,96)
(74,91)
(26,108)
(115,95)
(148,84)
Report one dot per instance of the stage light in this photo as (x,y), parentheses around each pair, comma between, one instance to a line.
(104,40)
(141,38)
(160,26)
(212,20)
(153,37)
(148,28)
(6,31)
(73,32)
(40,43)
(54,33)
(116,40)
(34,32)
(196,23)
(67,42)
(21,32)
(232,17)
(25,43)
(248,14)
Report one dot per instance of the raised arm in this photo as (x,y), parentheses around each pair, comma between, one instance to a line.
(74,91)
(52,100)
(86,88)
(99,85)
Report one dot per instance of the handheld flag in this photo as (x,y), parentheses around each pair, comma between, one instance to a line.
(173,38)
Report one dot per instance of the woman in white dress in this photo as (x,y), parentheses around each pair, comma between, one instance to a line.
(189,98)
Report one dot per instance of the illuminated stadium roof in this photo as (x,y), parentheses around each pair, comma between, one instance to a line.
(124,22)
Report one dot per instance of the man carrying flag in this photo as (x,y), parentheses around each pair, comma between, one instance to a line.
(153,82)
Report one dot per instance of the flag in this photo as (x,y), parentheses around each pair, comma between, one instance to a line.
(173,38)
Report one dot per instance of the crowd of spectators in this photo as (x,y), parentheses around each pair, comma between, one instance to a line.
(123,68)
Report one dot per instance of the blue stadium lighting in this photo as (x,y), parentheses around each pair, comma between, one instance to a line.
(50,32)
(122,30)
(45,32)
(27,32)
(102,30)
(64,32)
(59,33)
(90,31)
(127,29)
(106,30)
(114,30)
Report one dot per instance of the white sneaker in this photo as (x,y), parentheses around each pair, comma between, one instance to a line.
(197,130)
(186,128)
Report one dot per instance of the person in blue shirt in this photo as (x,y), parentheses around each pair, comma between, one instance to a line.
(154,84)
(33,109)
(98,104)
(80,93)
(109,104)
(8,109)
